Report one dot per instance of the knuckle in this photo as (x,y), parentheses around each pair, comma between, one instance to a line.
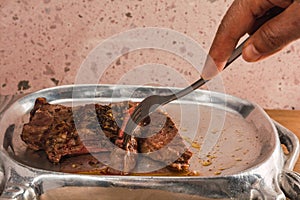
(281,3)
(270,37)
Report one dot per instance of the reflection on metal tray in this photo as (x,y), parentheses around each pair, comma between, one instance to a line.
(243,144)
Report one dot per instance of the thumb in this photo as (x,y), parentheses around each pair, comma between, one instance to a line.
(274,35)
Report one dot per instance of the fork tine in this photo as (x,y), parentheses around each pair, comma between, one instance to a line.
(135,114)
(138,119)
(131,124)
(126,140)
(128,130)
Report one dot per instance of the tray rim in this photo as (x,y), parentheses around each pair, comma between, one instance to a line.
(253,167)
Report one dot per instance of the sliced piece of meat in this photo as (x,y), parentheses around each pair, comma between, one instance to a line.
(162,142)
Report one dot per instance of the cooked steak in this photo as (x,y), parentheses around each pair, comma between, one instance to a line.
(52,128)
(63,131)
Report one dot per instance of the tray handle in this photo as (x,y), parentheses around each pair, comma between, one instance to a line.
(291,142)
(289,180)
(290,184)
(2,178)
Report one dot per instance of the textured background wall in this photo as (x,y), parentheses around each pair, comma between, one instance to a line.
(43,43)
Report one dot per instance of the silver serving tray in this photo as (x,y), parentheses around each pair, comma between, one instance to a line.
(248,161)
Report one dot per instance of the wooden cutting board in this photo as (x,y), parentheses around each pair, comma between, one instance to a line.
(291,120)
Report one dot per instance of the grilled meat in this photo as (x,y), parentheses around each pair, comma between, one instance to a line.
(64,132)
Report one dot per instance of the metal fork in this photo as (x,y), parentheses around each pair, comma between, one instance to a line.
(153,102)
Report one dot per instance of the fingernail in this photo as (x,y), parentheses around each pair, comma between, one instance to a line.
(251,54)
(211,68)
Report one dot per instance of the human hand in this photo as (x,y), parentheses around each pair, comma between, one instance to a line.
(241,18)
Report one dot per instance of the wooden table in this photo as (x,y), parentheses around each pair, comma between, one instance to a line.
(289,119)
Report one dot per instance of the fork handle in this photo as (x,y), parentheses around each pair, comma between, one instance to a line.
(235,54)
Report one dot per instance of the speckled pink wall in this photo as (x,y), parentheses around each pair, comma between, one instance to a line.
(44,43)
